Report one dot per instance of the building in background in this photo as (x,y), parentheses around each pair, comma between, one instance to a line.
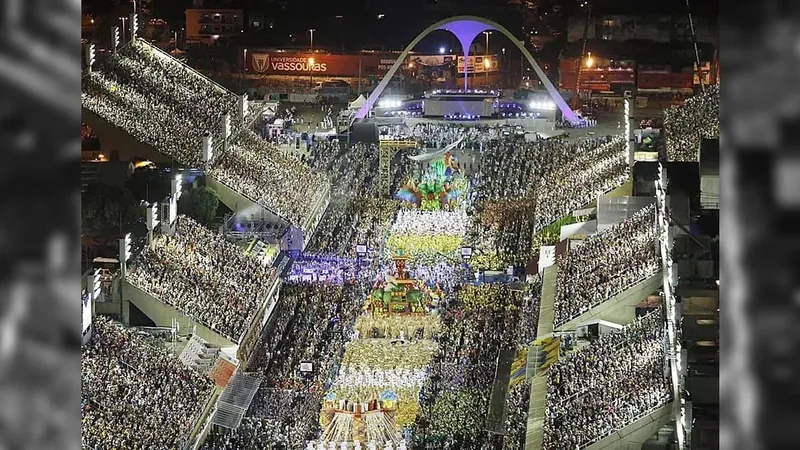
(655,28)
(206,25)
(651,54)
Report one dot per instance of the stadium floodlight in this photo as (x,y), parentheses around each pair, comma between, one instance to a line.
(441,50)
(97,285)
(125,248)
(589,61)
(177,187)
(173,209)
(208,151)
(243,106)
(90,56)
(134,20)
(226,125)
(115,38)
(152,216)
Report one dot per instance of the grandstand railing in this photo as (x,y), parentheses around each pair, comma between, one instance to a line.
(249,339)
(200,420)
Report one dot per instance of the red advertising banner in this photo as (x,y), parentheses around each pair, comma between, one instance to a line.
(282,63)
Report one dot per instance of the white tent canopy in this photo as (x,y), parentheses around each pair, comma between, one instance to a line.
(358,103)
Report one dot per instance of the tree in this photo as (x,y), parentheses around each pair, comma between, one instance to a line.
(108,210)
(200,204)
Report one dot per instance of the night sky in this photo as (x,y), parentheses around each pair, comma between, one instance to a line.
(359,26)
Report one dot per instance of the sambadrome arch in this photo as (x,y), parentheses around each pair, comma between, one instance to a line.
(466,29)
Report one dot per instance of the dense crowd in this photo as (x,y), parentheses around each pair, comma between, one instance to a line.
(311,322)
(202,275)
(687,125)
(411,221)
(329,269)
(476,137)
(594,170)
(263,173)
(606,264)
(455,398)
(134,393)
(607,385)
(356,215)
(157,100)
(517,416)
(288,85)
(442,366)
(165,104)
(523,187)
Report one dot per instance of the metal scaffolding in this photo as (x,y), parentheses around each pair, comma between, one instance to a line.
(384,166)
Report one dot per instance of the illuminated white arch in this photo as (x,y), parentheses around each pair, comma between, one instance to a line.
(466,28)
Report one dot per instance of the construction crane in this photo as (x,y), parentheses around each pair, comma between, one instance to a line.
(576,99)
(696,50)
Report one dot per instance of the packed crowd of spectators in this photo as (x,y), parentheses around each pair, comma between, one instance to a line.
(311,323)
(158,100)
(202,275)
(455,398)
(135,394)
(356,214)
(412,221)
(165,104)
(607,385)
(529,318)
(263,173)
(687,125)
(599,166)
(352,171)
(284,85)
(329,269)
(476,137)
(449,364)
(519,397)
(523,187)
(606,264)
